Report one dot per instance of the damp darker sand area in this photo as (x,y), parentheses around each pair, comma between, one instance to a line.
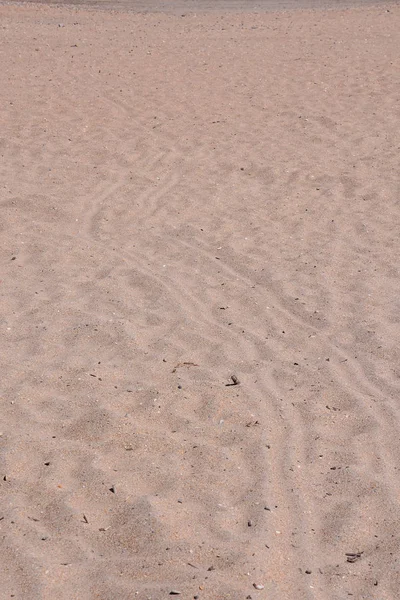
(199,291)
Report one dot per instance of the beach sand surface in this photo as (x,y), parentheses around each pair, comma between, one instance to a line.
(185,199)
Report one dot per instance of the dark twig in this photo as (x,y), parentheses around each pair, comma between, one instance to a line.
(235,381)
(351,557)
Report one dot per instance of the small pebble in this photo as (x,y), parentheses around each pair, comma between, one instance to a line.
(174,593)
(258,586)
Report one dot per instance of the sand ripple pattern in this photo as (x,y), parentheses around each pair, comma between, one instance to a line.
(215,190)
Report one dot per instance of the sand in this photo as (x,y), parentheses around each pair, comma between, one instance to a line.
(184,199)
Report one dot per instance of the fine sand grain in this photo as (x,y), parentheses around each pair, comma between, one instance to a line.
(183,200)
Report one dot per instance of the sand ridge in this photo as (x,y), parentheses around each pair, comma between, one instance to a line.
(185,199)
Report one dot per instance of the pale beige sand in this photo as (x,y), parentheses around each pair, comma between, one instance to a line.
(219,190)
(196,6)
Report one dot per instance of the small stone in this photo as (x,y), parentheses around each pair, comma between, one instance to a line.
(258,586)
(308,572)
(249,523)
(174,593)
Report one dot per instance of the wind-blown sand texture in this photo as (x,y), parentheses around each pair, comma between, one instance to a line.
(215,189)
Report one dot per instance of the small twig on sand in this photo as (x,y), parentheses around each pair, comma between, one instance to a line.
(351,557)
(184,364)
(235,381)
